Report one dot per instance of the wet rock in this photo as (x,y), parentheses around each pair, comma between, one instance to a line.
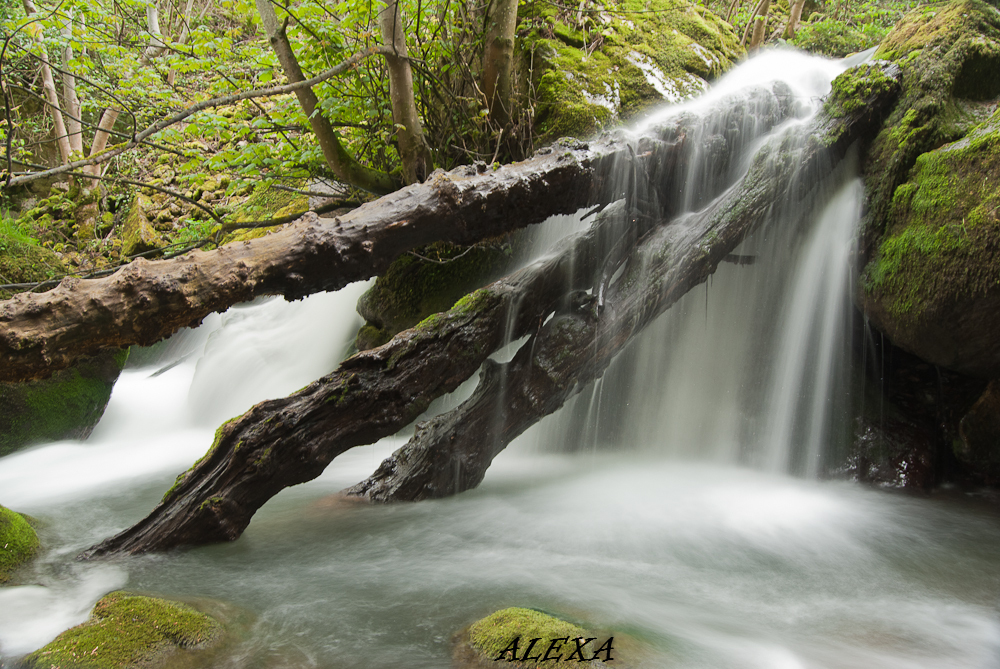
(18,542)
(978,446)
(127,630)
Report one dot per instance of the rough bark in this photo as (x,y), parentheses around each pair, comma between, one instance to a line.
(414,153)
(342,163)
(498,59)
(291,440)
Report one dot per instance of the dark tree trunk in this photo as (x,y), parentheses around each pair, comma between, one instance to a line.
(373,394)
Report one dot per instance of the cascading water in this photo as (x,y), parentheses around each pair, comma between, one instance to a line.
(692,564)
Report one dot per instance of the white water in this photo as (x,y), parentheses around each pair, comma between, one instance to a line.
(646,527)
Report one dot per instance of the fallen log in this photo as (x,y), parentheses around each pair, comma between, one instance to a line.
(287,441)
(149,300)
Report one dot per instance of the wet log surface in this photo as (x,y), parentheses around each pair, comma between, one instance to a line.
(283,442)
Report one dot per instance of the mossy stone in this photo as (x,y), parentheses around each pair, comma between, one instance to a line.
(18,542)
(138,233)
(616,67)
(482,643)
(931,238)
(426,282)
(67,405)
(127,630)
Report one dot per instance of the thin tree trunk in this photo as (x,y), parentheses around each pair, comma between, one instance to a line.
(343,164)
(794,16)
(73,126)
(760,26)
(49,87)
(414,153)
(183,37)
(498,59)
(284,442)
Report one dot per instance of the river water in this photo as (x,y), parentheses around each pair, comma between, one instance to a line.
(674,504)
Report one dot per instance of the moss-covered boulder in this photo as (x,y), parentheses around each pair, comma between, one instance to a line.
(931,240)
(67,405)
(523,638)
(425,282)
(614,65)
(18,542)
(138,233)
(126,630)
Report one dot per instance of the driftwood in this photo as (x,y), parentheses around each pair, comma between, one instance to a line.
(283,442)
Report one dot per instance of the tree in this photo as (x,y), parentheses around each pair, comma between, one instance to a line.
(498,60)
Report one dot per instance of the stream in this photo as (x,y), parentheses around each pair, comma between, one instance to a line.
(676,503)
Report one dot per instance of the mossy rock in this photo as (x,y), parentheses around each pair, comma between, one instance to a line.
(138,233)
(426,282)
(18,542)
(619,65)
(67,405)
(978,446)
(22,261)
(127,630)
(931,238)
(263,204)
(493,640)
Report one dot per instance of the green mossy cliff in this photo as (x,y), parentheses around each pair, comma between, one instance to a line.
(126,630)
(18,542)
(931,239)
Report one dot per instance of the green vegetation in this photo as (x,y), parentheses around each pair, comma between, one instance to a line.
(128,630)
(18,542)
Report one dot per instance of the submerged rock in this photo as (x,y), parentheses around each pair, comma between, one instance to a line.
(18,542)
(931,240)
(127,630)
(66,405)
(519,637)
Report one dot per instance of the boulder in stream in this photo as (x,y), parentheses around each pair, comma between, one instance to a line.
(127,630)
(18,542)
(520,638)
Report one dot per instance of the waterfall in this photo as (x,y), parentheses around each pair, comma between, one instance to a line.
(597,512)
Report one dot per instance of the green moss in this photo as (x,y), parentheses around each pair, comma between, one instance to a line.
(580,89)
(263,204)
(944,229)
(127,630)
(493,634)
(138,234)
(216,440)
(413,288)
(853,89)
(18,542)
(65,406)
(22,261)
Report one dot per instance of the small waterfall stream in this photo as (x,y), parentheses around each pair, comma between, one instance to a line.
(674,502)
